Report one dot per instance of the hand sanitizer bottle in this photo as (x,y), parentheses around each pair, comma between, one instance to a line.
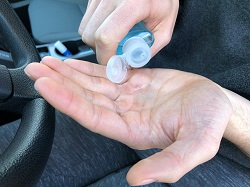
(133,51)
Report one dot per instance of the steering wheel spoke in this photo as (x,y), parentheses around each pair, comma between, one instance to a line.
(6,85)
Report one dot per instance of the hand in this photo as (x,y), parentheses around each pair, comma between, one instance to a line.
(182,113)
(107,22)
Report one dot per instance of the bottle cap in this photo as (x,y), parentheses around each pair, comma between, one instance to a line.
(137,52)
(62,48)
(116,69)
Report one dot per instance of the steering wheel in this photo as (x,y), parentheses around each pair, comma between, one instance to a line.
(23,162)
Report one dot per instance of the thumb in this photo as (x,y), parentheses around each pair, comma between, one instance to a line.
(169,165)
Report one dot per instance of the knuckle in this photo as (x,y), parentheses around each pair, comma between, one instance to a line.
(85,37)
(176,167)
(102,39)
(88,39)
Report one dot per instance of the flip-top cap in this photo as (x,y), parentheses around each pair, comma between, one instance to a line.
(116,69)
(137,52)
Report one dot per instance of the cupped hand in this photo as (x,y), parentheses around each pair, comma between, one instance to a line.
(106,23)
(181,113)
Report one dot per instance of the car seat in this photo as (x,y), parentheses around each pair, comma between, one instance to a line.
(53,20)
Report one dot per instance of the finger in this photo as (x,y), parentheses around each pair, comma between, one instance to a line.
(104,9)
(172,163)
(163,30)
(87,68)
(39,70)
(92,5)
(96,118)
(115,28)
(95,84)
(36,70)
(162,37)
(97,70)
(89,2)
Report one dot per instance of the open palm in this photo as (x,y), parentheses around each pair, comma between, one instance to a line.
(182,113)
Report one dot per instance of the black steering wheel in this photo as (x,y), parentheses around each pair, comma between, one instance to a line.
(22,163)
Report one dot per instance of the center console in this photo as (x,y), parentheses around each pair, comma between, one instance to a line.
(78,49)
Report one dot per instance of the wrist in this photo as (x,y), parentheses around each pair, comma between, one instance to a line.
(238,128)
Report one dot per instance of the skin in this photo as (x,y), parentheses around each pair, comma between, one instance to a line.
(184,114)
(153,108)
(106,22)
(238,128)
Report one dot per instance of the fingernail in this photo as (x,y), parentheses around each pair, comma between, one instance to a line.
(35,86)
(146,181)
(27,73)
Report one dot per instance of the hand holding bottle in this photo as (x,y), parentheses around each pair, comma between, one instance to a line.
(107,22)
(133,51)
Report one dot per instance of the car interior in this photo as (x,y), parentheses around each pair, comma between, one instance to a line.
(48,22)
(28,32)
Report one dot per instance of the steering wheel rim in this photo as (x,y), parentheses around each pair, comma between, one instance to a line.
(22,163)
